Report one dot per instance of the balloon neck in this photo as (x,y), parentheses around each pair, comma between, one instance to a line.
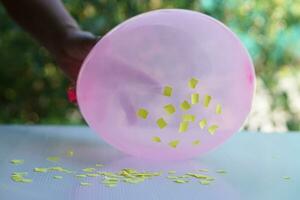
(71,94)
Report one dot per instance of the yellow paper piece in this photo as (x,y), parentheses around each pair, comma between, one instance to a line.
(89,169)
(53,158)
(85,184)
(142,113)
(17,162)
(156,139)
(92,175)
(81,176)
(286,177)
(185,105)
(203,170)
(57,177)
(204,182)
(70,153)
(169,108)
(207,100)
(174,143)
(180,181)
(218,109)
(221,171)
(167,91)
(196,142)
(40,170)
(202,123)
(183,127)
(20,173)
(212,129)
(161,123)
(188,118)
(193,83)
(99,165)
(171,172)
(195,98)
(59,169)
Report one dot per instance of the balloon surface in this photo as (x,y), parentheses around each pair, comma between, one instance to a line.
(167,85)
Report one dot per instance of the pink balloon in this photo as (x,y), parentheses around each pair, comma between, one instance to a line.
(122,88)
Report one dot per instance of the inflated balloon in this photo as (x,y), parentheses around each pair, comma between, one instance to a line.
(168,84)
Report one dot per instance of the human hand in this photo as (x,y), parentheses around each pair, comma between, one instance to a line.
(72,50)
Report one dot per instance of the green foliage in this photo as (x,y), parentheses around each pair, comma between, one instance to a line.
(33,89)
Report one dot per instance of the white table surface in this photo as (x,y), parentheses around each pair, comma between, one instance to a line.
(255,163)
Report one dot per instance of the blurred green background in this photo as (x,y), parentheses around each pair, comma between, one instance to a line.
(32,89)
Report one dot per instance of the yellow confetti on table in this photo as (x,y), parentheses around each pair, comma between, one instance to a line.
(81,176)
(286,177)
(171,172)
(218,109)
(193,83)
(169,108)
(161,123)
(174,143)
(92,175)
(19,177)
(59,169)
(194,98)
(142,113)
(183,127)
(203,170)
(188,118)
(85,184)
(17,162)
(70,153)
(180,181)
(185,105)
(57,177)
(204,182)
(156,139)
(221,171)
(53,158)
(206,101)
(167,91)
(99,165)
(89,169)
(202,123)
(40,170)
(212,129)
(196,142)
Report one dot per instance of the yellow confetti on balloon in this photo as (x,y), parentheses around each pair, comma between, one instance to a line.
(167,91)
(185,105)
(202,123)
(207,100)
(183,126)
(169,108)
(174,143)
(188,118)
(195,98)
(142,113)
(193,83)
(218,109)
(212,129)
(161,123)
(196,142)
(156,139)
